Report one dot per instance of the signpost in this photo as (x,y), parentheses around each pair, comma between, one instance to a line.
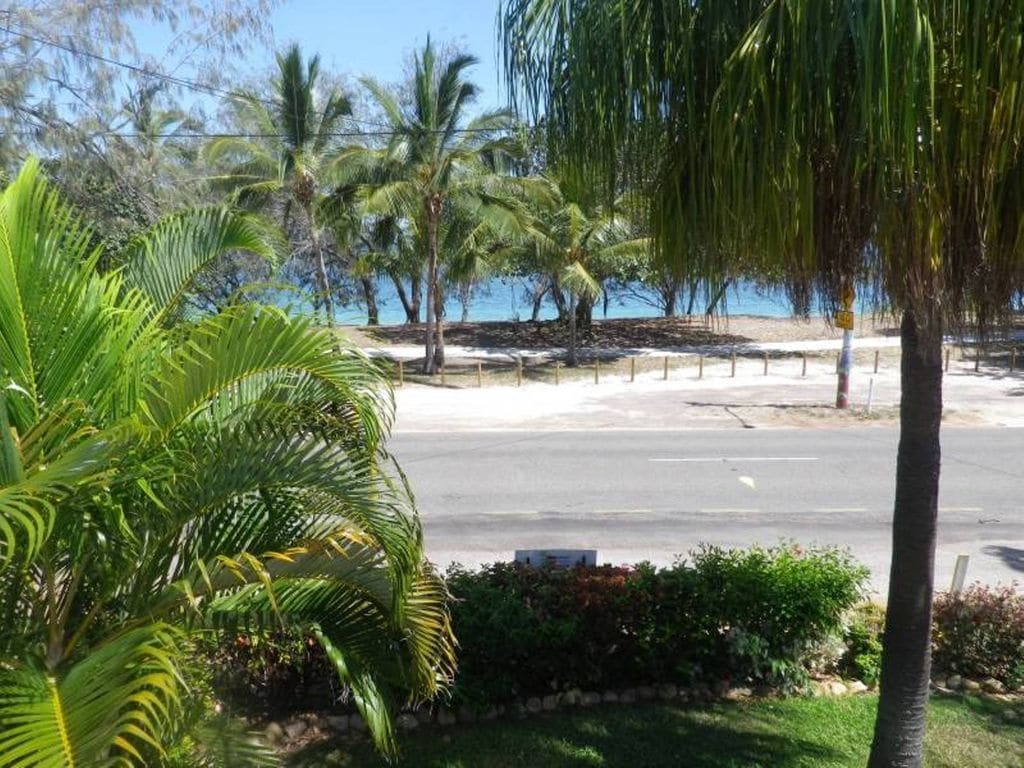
(845,320)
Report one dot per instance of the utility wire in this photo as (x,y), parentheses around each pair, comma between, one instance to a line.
(242,135)
(212,90)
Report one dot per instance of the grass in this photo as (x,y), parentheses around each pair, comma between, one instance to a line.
(792,733)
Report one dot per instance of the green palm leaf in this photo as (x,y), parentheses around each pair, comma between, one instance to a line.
(107,710)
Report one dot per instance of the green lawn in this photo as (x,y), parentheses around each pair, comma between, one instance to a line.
(794,733)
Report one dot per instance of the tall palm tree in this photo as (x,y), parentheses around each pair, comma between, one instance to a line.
(435,157)
(291,160)
(163,478)
(578,239)
(836,138)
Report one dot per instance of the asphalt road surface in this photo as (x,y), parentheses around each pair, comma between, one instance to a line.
(654,495)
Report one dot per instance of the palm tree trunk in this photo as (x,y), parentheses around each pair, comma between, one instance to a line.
(572,330)
(539,290)
(439,320)
(320,266)
(415,296)
(370,294)
(558,296)
(906,655)
(428,352)
(412,314)
(710,309)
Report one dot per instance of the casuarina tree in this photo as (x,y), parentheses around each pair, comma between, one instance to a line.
(838,140)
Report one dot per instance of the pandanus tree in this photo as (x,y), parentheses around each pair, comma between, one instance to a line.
(436,158)
(290,161)
(165,476)
(838,139)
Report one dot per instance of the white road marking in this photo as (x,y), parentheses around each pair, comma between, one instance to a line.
(727,511)
(623,511)
(720,459)
(842,509)
(961,509)
(748,481)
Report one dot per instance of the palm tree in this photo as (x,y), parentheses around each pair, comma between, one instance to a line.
(433,160)
(837,139)
(578,240)
(292,157)
(162,478)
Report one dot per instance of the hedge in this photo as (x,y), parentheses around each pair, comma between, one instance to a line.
(741,616)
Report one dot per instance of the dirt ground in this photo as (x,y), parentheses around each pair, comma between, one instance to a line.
(623,333)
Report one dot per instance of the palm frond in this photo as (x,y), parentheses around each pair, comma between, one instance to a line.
(164,262)
(108,709)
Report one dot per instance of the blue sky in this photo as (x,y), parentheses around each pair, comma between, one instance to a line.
(375,37)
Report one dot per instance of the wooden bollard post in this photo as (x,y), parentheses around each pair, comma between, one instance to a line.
(632,370)
(876,361)
(519,371)
(947,360)
(597,370)
(765,363)
(733,374)
(479,374)
(665,375)
(401,374)
(700,367)
(803,372)
(1013,358)
(558,366)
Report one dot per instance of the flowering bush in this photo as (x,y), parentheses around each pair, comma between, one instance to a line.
(980,633)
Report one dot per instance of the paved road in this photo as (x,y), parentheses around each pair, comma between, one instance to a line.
(655,494)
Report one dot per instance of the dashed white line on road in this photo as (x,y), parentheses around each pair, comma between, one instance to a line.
(727,511)
(720,459)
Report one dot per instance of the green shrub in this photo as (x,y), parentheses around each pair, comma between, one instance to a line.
(745,616)
(771,606)
(863,638)
(980,633)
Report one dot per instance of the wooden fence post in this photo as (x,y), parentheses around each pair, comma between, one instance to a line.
(558,366)
(803,372)
(876,360)
(765,363)
(479,373)
(632,370)
(733,374)
(597,370)
(700,367)
(1013,358)
(665,375)
(947,360)
(401,374)
(519,371)
(977,358)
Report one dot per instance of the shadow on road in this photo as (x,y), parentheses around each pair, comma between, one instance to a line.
(1011,557)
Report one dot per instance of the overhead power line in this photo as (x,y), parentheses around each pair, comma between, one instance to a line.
(195,85)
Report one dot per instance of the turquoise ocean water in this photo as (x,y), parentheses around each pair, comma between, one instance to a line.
(509,300)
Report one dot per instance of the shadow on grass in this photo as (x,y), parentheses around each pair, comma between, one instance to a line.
(633,737)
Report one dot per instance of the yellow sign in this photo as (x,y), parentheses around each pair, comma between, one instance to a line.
(844,319)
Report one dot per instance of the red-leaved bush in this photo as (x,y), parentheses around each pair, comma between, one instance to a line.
(980,633)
